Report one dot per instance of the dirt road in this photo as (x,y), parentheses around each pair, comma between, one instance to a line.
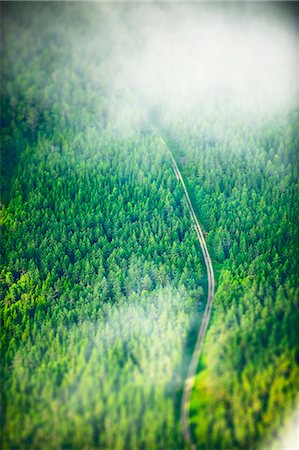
(189,382)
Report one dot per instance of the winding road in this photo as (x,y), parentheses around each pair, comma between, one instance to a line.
(189,382)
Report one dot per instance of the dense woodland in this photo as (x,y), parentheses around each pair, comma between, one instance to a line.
(243,177)
(102,279)
(102,282)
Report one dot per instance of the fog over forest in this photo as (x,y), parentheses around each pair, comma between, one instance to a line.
(179,56)
(103,282)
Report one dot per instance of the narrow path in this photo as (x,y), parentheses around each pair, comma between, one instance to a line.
(189,382)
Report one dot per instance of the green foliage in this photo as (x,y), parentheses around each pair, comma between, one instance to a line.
(244,177)
(101,278)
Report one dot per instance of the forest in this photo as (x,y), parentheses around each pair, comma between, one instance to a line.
(103,284)
(250,360)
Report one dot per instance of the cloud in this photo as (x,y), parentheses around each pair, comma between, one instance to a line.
(185,56)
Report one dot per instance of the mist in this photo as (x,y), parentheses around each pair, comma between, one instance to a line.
(132,356)
(90,93)
(240,58)
(235,59)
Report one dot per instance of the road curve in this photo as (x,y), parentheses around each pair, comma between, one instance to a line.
(189,382)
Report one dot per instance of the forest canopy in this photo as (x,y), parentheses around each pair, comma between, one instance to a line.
(103,283)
